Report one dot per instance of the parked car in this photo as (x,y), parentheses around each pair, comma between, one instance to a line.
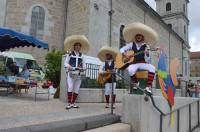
(22,59)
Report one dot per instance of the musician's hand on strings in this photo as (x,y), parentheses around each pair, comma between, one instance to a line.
(126,57)
(147,52)
(69,67)
(80,69)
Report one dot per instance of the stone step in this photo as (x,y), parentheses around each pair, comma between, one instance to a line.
(118,127)
(71,125)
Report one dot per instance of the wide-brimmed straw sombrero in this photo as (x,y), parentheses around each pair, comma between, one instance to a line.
(71,40)
(130,30)
(106,50)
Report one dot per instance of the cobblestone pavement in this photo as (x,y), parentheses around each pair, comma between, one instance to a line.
(16,110)
(22,110)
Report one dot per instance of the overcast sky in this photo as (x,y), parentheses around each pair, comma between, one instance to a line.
(194,27)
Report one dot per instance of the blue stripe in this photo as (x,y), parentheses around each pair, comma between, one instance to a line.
(11,39)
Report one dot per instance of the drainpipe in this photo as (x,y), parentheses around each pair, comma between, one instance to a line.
(65,23)
(182,58)
(4,23)
(144,16)
(169,50)
(110,32)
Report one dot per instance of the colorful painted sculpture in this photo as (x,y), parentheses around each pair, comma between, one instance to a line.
(168,82)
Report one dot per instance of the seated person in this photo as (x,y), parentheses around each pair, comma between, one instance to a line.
(138,36)
(198,89)
(189,87)
(14,69)
(25,73)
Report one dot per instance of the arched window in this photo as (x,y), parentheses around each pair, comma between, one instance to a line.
(121,39)
(168,6)
(37,22)
(170,25)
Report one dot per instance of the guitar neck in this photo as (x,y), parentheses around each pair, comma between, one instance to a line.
(137,53)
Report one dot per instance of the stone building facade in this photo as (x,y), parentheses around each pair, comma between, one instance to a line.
(175,14)
(91,18)
(195,64)
(16,14)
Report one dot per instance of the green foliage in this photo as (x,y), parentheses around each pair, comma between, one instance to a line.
(90,83)
(93,83)
(122,85)
(53,66)
(2,66)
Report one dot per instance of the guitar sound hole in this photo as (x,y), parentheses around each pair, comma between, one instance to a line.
(125,60)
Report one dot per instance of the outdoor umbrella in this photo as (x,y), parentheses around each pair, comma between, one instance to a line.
(12,39)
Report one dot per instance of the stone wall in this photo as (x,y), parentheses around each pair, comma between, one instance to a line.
(176,16)
(18,17)
(2,12)
(143,117)
(97,95)
(98,25)
(125,12)
(176,6)
(135,12)
(91,18)
(195,68)
(78,17)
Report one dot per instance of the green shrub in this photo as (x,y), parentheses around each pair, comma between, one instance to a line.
(93,83)
(53,66)
(90,83)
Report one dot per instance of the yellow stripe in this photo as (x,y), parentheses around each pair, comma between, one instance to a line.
(141,74)
(172,119)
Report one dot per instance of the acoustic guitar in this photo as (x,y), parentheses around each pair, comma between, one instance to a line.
(103,77)
(121,62)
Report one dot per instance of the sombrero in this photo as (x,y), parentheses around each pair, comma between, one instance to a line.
(130,30)
(71,40)
(106,50)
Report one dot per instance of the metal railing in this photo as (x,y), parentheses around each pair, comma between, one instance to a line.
(178,117)
(92,73)
(162,114)
(140,89)
(90,80)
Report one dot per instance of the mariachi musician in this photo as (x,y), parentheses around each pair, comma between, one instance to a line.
(75,65)
(138,37)
(107,55)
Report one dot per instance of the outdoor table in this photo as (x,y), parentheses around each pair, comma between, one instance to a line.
(16,86)
(19,86)
(5,85)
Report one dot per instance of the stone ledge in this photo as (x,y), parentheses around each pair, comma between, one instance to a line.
(118,127)
(73,125)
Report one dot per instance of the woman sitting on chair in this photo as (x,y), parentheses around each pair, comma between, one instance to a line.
(25,72)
